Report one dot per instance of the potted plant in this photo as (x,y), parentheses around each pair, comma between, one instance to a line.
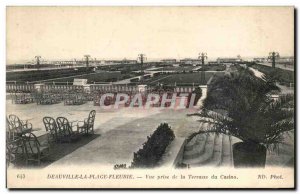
(241,105)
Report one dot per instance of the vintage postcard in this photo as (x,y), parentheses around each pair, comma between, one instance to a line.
(150,97)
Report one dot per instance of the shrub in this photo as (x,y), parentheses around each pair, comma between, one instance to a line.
(153,148)
(240,105)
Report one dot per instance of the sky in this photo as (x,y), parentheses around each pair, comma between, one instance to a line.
(57,33)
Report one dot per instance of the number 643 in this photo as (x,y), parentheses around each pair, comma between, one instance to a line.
(21,176)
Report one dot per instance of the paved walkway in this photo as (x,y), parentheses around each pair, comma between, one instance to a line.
(122,136)
(122,131)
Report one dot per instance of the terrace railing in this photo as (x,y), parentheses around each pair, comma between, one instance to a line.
(187,89)
(61,87)
(27,88)
(113,88)
(11,87)
(95,87)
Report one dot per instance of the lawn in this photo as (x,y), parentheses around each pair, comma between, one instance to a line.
(196,78)
(285,76)
(97,77)
(177,69)
(210,67)
(24,76)
(124,68)
(67,75)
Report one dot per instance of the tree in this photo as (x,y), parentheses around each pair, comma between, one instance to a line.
(241,105)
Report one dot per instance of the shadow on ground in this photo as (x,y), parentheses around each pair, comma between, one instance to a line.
(57,151)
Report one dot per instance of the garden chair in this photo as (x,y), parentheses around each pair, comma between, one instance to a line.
(65,130)
(87,124)
(55,98)
(14,144)
(19,99)
(51,129)
(19,127)
(34,150)
(43,99)
(96,99)
(68,100)
(80,99)
(30,98)
(10,133)
(14,149)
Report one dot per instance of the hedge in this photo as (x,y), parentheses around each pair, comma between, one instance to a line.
(154,148)
(285,77)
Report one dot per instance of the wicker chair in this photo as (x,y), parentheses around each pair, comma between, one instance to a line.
(10,133)
(65,131)
(19,127)
(88,123)
(51,129)
(34,150)
(14,149)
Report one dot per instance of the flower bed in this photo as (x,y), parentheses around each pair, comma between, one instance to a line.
(154,148)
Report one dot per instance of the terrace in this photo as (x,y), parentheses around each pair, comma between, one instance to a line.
(121,132)
(118,132)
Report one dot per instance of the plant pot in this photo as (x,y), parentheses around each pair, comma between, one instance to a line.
(249,155)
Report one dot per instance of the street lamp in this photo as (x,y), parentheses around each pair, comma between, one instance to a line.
(273,56)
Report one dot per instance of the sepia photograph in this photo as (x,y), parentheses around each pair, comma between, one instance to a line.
(150,97)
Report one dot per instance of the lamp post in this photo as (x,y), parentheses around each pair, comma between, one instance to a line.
(142,58)
(202,56)
(273,56)
(87,60)
(38,61)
